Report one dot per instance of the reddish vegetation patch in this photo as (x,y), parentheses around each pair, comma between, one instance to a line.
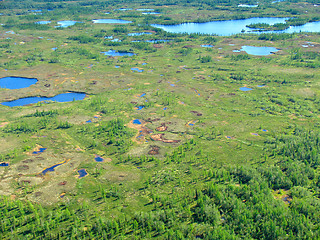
(162,128)
(23,167)
(196,113)
(159,137)
(62,183)
(3,124)
(157,45)
(27,161)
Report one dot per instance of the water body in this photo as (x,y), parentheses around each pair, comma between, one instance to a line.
(134,69)
(115,53)
(139,107)
(145,9)
(124,9)
(207,45)
(41,150)
(139,33)
(246,5)
(245,89)
(4,164)
(98,159)
(229,27)
(51,169)
(112,21)
(150,13)
(82,173)
(136,121)
(64,97)
(16,82)
(43,22)
(259,51)
(65,24)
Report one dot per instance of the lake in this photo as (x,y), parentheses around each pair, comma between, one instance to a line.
(258,51)
(64,97)
(116,53)
(16,82)
(65,24)
(112,21)
(229,27)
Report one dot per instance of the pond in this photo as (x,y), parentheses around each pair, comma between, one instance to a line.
(82,173)
(51,169)
(134,69)
(112,21)
(229,27)
(150,13)
(245,89)
(145,9)
(65,24)
(139,33)
(4,164)
(64,97)
(259,51)
(16,82)
(43,22)
(207,45)
(41,150)
(246,5)
(98,158)
(136,121)
(116,53)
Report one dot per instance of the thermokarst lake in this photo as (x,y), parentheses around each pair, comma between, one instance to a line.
(16,82)
(230,27)
(64,97)
(257,51)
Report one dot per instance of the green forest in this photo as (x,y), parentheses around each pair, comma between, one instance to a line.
(141,120)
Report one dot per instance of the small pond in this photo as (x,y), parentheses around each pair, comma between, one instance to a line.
(207,45)
(4,164)
(64,97)
(139,33)
(41,150)
(16,82)
(43,22)
(65,24)
(150,13)
(134,69)
(145,9)
(116,53)
(112,21)
(246,5)
(136,121)
(245,89)
(98,158)
(259,51)
(82,173)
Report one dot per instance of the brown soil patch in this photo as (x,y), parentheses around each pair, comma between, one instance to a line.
(23,167)
(154,150)
(162,128)
(159,137)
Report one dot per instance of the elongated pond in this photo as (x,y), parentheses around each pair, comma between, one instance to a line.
(64,97)
(259,51)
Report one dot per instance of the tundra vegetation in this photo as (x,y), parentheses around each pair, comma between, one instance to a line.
(199,140)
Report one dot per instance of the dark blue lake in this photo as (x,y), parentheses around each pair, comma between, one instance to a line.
(229,27)
(115,53)
(259,51)
(64,97)
(112,21)
(16,82)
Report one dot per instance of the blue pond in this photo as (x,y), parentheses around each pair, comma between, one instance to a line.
(4,164)
(207,45)
(139,33)
(112,21)
(124,9)
(64,97)
(134,69)
(142,95)
(16,82)
(41,150)
(82,173)
(245,89)
(246,5)
(229,27)
(54,48)
(115,53)
(136,121)
(261,85)
(140,107)
(43,22)
(145,9)
(65,24)
(150,13)
(51,169)
(116,66)
(89,121)
(259,51)
(157,41)
(98,159)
